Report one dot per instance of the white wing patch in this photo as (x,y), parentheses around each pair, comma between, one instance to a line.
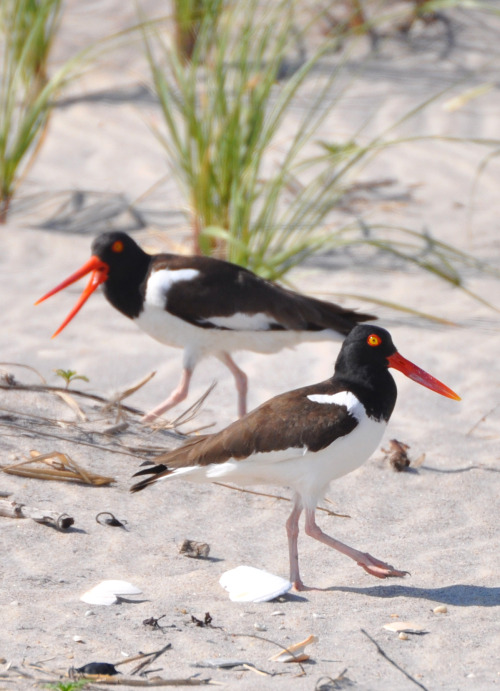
(345,398)
(244,322)
(160,282)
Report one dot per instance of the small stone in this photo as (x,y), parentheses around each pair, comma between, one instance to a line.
(403,636)
(259,627)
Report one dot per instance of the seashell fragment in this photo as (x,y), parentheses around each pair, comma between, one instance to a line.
(404,626)
(248,584)
(440,609)
(109,592)
(295,652)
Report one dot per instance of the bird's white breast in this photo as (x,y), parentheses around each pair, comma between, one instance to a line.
(307,473)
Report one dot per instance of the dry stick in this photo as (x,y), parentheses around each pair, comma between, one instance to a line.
(384,655)
(13,509)
(59,389)
(279,496)
(279,645)
(482,419)
(146,683)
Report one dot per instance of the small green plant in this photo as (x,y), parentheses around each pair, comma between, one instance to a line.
(69,685)
(70,375)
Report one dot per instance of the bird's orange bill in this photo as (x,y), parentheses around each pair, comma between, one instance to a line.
(400,363)
(99,274)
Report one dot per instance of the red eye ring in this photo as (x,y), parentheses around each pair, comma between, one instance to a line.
(117,246)
(374,340)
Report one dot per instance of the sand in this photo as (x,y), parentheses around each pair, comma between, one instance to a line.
(439,521)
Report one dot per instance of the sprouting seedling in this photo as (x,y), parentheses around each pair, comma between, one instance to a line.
(70,686)
(70,375)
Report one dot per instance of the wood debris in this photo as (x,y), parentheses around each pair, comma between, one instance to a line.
(14,509)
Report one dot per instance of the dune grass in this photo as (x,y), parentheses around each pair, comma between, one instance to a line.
(255,198)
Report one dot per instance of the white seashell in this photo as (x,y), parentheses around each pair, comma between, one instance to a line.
(440,609)
(259,627)
(248,584)
(107,592)
(78,639)
(406,626)
(295,652)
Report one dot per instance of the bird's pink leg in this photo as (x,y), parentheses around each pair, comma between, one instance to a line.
(292,531)
(366,561)
(240,379)
(178,395)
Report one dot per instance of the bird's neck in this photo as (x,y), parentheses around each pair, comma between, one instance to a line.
(376,390)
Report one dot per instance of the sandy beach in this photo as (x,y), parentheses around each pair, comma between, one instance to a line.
(439,521)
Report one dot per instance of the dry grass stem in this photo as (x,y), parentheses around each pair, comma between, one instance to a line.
(280,497)
(61,467)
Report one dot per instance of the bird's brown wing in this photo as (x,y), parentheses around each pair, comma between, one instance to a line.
(290,420)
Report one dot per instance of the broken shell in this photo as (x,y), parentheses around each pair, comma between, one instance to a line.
(295,652)
(108,592)
(248,584)
(440,609)
(78,639)
(259,627)
(406,626)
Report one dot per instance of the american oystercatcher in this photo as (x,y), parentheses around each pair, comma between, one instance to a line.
(306,438)
(204,305)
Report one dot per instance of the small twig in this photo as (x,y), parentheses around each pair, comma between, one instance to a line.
(116,400)
(268,640)
(482,419)
(278,496)
(385,656)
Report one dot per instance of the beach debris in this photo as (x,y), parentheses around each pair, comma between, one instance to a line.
(195,550)
(98,668)
(295,652)
(398,456)
(329,684)
(248,584)
(382,652)
(109,592)
(440,609)
(221,663)
(153,622)
(259,626)
(107,518)
(404,626)
(55,466)
(14,509)
(206,621)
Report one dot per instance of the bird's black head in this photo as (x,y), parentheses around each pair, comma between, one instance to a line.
(366,345)
(121,254)
(363,362)
(120,265)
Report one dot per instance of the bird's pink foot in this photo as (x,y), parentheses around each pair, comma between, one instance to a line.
(379,569)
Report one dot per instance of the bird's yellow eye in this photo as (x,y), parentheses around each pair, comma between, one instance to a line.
(373,340)
(117,246)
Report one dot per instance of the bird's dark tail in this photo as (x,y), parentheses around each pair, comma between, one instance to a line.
(155,471)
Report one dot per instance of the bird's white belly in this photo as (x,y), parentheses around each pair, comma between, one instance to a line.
(307,473)
(171,330)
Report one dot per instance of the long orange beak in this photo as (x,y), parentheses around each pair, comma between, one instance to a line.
(400,363)
(99,274)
